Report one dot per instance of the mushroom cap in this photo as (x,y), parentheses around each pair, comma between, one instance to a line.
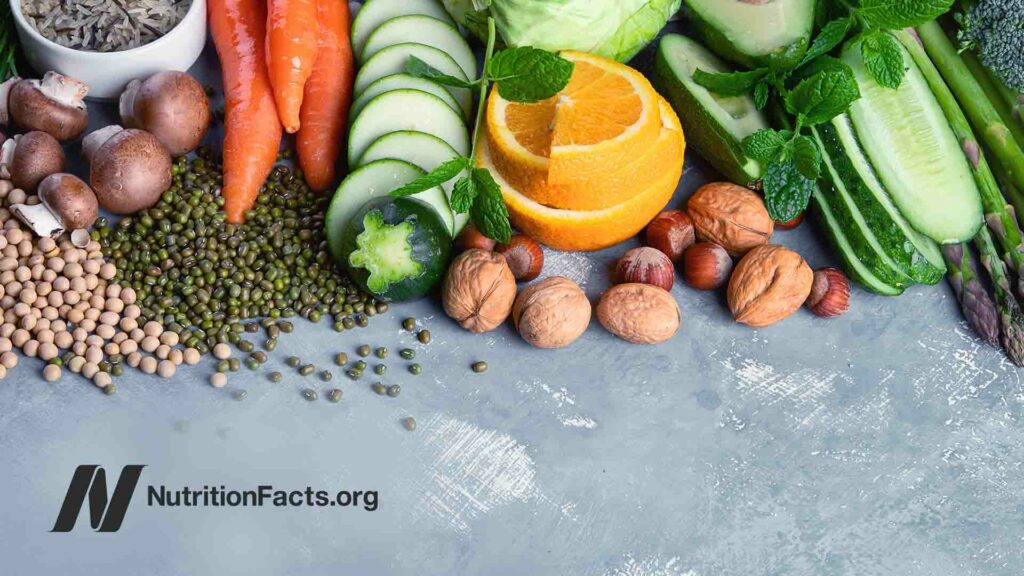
(130,171)
(70,199)
(170,105)
(36,156)
(52,105)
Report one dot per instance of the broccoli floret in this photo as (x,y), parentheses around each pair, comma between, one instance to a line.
(995,28)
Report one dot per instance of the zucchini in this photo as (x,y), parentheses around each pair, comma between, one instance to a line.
(376,12)
(715,126)
(755,33)
(917,157)
(906,249)
(856,269)
(426,30)
(396,248)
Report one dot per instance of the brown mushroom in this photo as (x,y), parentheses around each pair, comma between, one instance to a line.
(54,105)
(129,169)
(169,105)
(28,158)
(66,203)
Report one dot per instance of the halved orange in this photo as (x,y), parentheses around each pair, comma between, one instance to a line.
(596,229)
(560,151)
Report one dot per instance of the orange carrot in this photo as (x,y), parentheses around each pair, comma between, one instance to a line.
(252,131)
(291,53)
(327,98)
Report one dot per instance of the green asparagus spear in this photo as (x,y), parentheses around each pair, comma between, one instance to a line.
(998,95)
(975,301)
(999,215)
(1011,319)
(982,114)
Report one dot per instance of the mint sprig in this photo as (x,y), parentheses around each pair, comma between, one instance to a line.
(523,74)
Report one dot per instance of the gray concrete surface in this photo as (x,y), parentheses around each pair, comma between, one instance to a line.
(886,442)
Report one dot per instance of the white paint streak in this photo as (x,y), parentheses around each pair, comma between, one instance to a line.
(560,401)
(652,566)
(575,266)
(471,472)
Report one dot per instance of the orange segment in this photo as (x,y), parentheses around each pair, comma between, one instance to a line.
(597,229)
(588,148)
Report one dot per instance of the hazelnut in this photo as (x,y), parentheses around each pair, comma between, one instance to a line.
(639,313)
(552,313)
(672,233)
(472,237)
(731,216)
(830,293)
(479,290)
(525,257)
(645,265)
(794,223)
(770,283)
(706,266)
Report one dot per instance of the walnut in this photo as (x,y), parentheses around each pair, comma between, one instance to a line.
(731,216)
(639,313)
(552,313)
(770,283)
(479,290)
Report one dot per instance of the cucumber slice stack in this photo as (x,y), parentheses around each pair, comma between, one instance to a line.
(402,127)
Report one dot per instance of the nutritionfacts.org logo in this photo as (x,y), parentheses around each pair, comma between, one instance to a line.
(107,509)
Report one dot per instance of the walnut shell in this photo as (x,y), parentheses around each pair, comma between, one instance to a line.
(551,313)
(479,290)
(639,313)
(770,283)
(731,216)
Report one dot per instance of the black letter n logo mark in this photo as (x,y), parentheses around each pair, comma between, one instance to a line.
(104,515)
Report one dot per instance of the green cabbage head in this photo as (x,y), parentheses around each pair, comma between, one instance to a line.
(613,28)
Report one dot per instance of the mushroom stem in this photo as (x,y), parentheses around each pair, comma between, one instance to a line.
(93,142)
(126,104)
(39,218)
(5,91)
(63,89)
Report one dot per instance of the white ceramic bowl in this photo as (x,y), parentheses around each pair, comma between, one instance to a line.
(107,73)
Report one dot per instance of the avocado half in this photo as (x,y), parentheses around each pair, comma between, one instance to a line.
(753,32)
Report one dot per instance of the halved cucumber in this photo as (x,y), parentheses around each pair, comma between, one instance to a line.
(398,82)
(915,153)
(715,126)
(375,180)
(425,30)
(908,250)
(845,250)
(423,150)
(392,60)
(400,110)
(376,12)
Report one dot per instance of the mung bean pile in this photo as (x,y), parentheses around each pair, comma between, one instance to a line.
(202,277)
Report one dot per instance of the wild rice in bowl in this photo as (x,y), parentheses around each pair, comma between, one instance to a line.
(104,25)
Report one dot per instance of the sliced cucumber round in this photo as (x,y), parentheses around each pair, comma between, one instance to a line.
(400,110)
(376,12)
(426,30)
(396,248)
(392,60)
(714,125)
(398,82)
(375,180)
(423,150)
(917,156)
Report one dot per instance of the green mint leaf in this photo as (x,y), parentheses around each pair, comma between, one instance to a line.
(883,57)
(489,212)
(761,93)
(416,67)
(806,157)
(786,190)
(529,74)
(463,195)
(765,145)
(729,83)
(823,96)
(898,14)
(831,35)
(438,176)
